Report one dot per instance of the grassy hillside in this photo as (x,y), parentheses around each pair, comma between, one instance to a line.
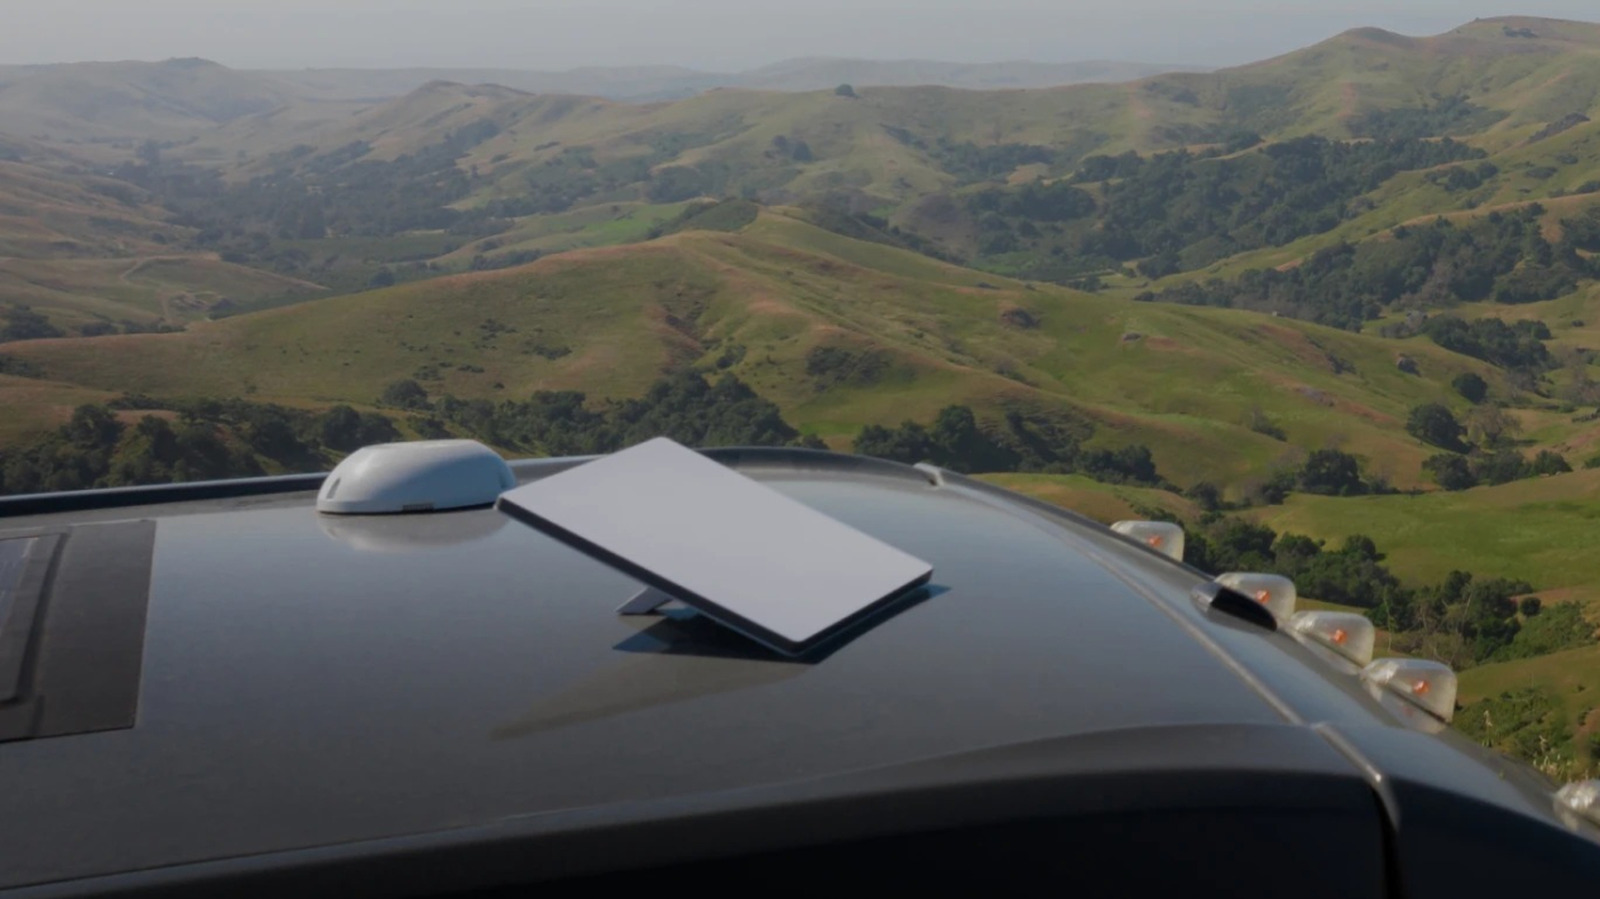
(34,407)
(1538,531)
(650,83)
(1185,381)
(86,250)
(90,104)
(1555,694)
(47,212)
(548,172)
(519,166)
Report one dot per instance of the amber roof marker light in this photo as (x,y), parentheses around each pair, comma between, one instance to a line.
(1274,592)
(1162,536)
(1346,633)
(1431,686)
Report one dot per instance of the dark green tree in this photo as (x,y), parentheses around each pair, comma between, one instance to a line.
(1501,467)
(405,394)
(908,444)
(93,428)
(1434,424)
(1332,473)
(1548,462)
(1206,495)
(1451,471)
(18,322)
(1471,386)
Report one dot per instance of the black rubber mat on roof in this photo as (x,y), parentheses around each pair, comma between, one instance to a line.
(72,627)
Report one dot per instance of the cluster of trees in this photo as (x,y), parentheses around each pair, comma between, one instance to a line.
(199,440)
(267,220)
(1464,620)
(21,322)
(1019,442)
(1487,457)
(1446,115)
(1501,256)
(1180,211)
(683,406)
(972,163)
(1036,443)
(1183,213)
(205,439)
(793,149)
(1326,472)
(21,368)
(1036,201)
(1457,472)
(568,178)
(1583,232)
(344,193)
(1515,347)
(307,196)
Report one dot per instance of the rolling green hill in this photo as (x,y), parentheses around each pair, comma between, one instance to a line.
(93,252)
(1187,382)
(1539,533)
(653,83)
(91,104)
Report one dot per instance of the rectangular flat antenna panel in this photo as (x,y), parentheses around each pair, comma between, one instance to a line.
(735,550)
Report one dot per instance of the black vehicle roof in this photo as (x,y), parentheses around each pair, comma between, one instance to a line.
(310,681)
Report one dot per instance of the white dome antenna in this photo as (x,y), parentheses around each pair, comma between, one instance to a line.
(425,476)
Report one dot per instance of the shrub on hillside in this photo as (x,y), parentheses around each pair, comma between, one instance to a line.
(1559,627)
(683,406)
(1450,471)
(404,394)
(1434,424)
(209,439)
(1471,386)
(1329,472)
(19,322)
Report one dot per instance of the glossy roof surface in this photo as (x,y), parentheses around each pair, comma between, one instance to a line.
(311,680)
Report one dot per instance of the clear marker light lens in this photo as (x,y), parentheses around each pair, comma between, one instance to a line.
(1273,591)
(1346,633)
(1581,799)
(1430,686)
(1162,536)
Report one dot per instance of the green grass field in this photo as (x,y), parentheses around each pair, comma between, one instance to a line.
(1540,531)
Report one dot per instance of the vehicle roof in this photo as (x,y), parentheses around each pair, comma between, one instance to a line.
(310,680)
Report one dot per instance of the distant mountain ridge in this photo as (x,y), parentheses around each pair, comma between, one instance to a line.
(104,100)
(673,82)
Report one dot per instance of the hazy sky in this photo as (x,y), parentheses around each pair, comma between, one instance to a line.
(707,34)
